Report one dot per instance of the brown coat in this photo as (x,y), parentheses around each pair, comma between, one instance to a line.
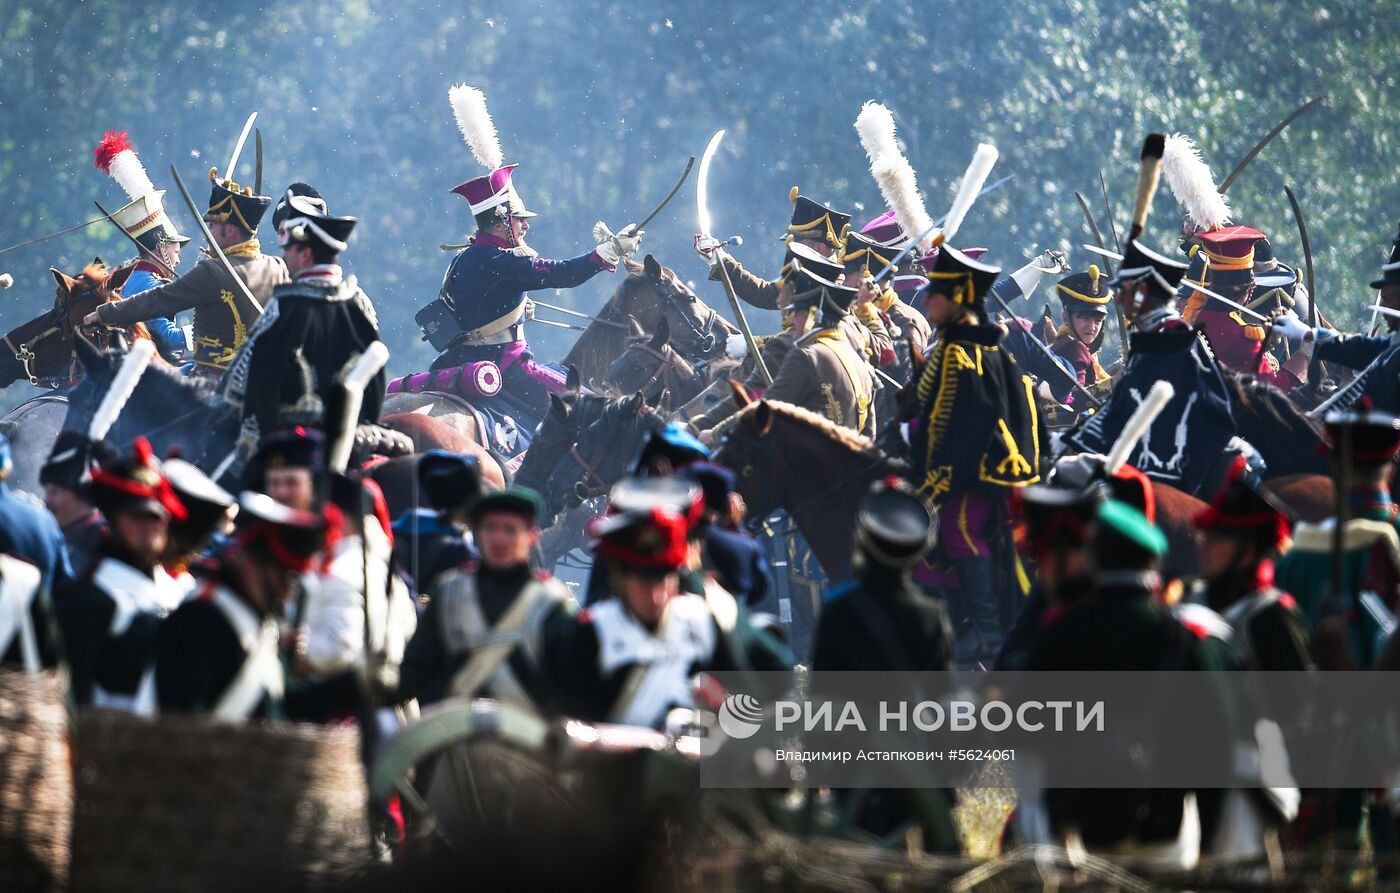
(774,349)
(911,322)
(761,293)
(222,315)
(814,377)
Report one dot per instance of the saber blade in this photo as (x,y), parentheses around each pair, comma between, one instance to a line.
(702,187)
(238,146)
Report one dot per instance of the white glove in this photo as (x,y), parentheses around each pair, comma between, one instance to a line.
(1290,327)
(705,247)
(736,347)
(188,332)
(1053,261)
(613,247)
(1079,470)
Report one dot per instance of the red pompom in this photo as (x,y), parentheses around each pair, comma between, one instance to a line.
(113,142)
(141,447)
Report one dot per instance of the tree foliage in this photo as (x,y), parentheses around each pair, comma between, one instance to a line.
(601,101)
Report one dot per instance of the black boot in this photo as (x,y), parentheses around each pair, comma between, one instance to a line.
(981,611)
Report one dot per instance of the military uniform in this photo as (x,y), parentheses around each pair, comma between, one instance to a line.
(110,618)
(428,542)
(223,316)
(977,435)
(1370,586)
(1224,263)
(616,667)
(1186,443)
(1124,628)
(309,334)
(1082,293)
(811,222)
(218,653)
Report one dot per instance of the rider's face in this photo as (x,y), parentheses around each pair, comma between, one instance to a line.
(1129,296)
(518,229)
(1086,326)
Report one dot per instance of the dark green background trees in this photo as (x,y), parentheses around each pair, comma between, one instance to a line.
(602,102)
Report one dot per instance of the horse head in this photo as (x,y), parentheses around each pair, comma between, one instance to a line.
(751,449)
(602,454)
(654,367)
(44,349)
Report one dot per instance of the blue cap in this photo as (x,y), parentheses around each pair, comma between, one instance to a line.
(450,480)
(676,443)
(715,481)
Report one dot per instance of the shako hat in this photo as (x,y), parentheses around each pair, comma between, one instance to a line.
(1085,292)
(813,220)
(894,525)
(144,217)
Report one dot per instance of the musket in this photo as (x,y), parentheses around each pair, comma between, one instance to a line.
(1054,361)
(257,161)
(1118,311)
(1268,138)
(703,211)
(209,237)
(145,252)
(568,312)
(45,238)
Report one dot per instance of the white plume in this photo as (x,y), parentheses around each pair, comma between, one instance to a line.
(973,180)
(1190,180)
(130,175)
(893,174)
(120,390)
(469,108)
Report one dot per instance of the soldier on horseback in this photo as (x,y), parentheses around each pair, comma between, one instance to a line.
(223,317)
(977,434)
(144,219)
(1084,299)
(311,331)
(478,319)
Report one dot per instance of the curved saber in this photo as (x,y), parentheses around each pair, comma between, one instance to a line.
(1307,253)
(703,212)
(1268,138)
(670,195)
(209,237)
(238,146)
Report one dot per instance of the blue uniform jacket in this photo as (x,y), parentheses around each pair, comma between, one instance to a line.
(486,280)
(163,329)
(28,531)
(1380,382)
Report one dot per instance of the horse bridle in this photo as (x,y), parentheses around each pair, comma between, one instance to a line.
(590,473)
(668,370)
(24,353)
(704,334)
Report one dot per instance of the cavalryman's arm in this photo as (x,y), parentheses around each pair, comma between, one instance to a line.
(1353,351)
(533,273)
(198,286)
(881,342)
(761,293)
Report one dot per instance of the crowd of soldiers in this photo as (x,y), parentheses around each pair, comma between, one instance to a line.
(293,595)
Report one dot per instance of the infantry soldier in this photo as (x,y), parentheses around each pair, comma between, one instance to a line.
(430,541)
(882,621)
(223,316)
(1377,356)
(1348,616)
(631,657)
(110,618)
(484,631)
(313,328)
(218,653)
(66,478)
(144,219)
(976,435)
(1241,533)
(29,532)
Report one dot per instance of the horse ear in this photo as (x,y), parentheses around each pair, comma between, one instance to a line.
(118,279)
(64,281)
(652,266)
(763,418)
(571,382)
(663,333)
(637,330)
(91,358)
(557,404)
(742,397)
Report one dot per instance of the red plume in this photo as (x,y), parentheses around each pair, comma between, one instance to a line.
(113,142)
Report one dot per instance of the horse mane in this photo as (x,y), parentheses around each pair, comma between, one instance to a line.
(1266,400)
(862,446)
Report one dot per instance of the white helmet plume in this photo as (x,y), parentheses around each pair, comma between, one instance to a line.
(469,108)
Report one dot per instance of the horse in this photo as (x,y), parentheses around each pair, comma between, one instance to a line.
(1289,442)
(42,351)
(652,366)
(602,454)
(773,448)
(649,293)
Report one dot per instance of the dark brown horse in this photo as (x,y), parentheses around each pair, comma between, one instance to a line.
(41,351)
(652,366)
(774,448)
(649,293)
